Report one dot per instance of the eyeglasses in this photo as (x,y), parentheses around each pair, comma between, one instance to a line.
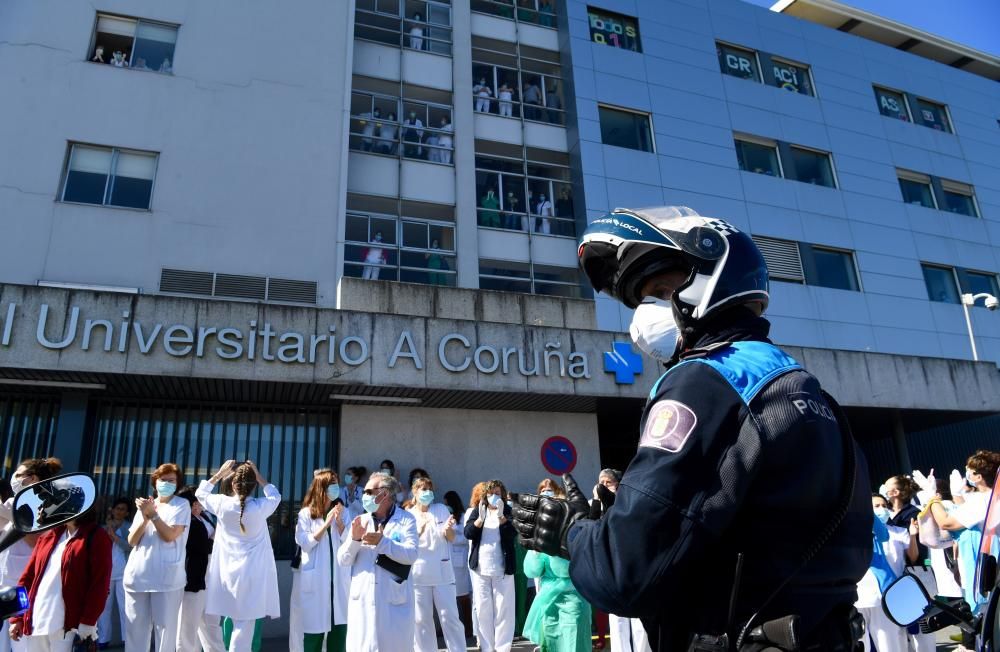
(372,492)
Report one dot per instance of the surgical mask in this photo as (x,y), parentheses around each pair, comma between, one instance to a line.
(16,485)
(882,514)
(653,328)
(495,501)
(401,496)
(968,477)
(333,492)
(426,497)
(378,238)
(165,489)
(348,479)
(368,502)
(548,492)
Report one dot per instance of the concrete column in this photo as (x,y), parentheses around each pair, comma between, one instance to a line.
(899,443)
(68,446)
(466,228)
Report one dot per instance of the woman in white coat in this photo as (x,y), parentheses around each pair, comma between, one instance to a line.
(433,575)
(319,592)
(380,608)
(242,580)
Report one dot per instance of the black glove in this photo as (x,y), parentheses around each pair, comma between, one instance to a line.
(606,496)
(543,523)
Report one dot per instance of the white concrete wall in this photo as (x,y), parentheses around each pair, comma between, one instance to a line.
(462,447)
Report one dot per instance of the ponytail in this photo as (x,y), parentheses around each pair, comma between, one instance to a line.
(244,482)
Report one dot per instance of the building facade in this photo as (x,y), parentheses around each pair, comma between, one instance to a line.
(347,233)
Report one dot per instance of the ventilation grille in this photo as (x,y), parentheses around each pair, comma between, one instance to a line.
(782,258)
(237,286)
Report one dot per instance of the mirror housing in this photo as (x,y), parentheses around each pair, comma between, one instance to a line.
(905,601)
(53,502)
(987,574)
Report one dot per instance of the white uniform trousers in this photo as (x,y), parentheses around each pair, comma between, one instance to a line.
(924,642)
(493,600)
(627,635)
(116,595)
(50,643)
(887,636)
(443,597)
(242,638)
(195,629)
(7,645)
(152,614)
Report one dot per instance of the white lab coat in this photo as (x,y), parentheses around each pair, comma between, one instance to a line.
(242,580)
(380,610)
(311,586)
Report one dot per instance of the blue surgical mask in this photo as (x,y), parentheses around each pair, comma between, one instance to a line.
(165,489)
(426,497)
(368,502)
(333,492)
(882,514)
(348,478)
(548,492)
(495,501)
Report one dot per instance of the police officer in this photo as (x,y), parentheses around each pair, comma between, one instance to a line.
(746,501)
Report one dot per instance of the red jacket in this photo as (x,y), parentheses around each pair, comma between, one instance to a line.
(86,574)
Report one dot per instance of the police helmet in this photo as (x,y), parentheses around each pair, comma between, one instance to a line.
(622,250)
(60,504)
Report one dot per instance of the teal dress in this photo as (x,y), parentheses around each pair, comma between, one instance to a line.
(559,619)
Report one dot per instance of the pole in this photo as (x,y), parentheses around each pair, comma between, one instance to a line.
(968,324)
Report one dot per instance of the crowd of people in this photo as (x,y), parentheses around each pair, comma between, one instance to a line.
(377,560)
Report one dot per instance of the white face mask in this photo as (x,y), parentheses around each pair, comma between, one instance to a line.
(882,514)
(653,328)
(16,485)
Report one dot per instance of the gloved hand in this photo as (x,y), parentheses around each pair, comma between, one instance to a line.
(482,512)
(86,631)
(927,484)
(543,522)
(957,482)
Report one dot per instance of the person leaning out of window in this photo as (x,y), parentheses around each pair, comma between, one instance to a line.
(67,579)
(492,561)
(154,574)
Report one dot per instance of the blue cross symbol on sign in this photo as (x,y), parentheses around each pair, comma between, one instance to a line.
(623,363)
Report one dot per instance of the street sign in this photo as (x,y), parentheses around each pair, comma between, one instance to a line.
(558,455)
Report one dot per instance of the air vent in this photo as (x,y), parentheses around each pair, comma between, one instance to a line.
(240,287)
(782,258)
(283,289)
(237,286)
(186,282)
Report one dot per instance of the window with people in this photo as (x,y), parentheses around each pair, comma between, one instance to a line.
(135,43)
(517,82)
(384,124)
(527,196)
(535,12)
(422,25)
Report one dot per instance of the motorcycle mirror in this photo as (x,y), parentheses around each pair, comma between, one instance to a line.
(52,502)
(987,574)
(905,601)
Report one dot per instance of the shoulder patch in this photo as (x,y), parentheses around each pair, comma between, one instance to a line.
(668,426)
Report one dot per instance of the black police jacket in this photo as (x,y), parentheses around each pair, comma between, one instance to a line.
(739,452)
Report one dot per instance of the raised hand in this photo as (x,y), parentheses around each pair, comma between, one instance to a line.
(357,528)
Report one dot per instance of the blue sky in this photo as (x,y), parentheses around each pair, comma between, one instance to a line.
(975,23)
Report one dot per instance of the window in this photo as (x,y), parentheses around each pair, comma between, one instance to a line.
(916,188)
(384,124)
(940,283)
(517,82)
(934,115)
(892,104)
(616,30)
(109,176)
(530,197)
(791,77)
(810,166)
(538,12)
(510,276)
(758,157)
(738,62)
(959,198)
(625,129)
(134,43)
(831,268)
(978,282)
(412,24)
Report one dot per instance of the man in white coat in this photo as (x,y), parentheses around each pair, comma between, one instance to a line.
(380,609)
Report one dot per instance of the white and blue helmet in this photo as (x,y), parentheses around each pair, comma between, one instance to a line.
(622,250)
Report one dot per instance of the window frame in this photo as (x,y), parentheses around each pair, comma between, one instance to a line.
(964,189)
(809,267)
(755,59)
(402,30)
(138,21)
(603,14)
(526,179)
(917,177)
(530,279)
(902,95)
(621,109)
(108,184)
(949,126)
(964,274)
(955,285)
(829,160)
(739,137)
(399,248)
(399,143)
(516,12)
(791,62)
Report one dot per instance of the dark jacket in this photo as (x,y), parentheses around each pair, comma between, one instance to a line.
(86,574)
(507,534)
(739,452)
(199,547)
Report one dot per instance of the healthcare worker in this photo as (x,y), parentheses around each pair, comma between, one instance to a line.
(116,525)
(154,574)
(319,589)
(969,515)
(737,439)
(492,562)
(194,629)
(559,619)
(432,575)
(892,546)
(242,581)
(900,490)
(460,560)
(378,551)
(350,493)
(14,559)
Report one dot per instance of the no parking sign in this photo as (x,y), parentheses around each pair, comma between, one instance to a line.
(558,455)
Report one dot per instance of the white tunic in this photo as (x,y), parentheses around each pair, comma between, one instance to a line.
(380,610)
(49,614)
(433,565)
(13,561)
(869,593)
(311,586)
(242,580)
(155,565)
